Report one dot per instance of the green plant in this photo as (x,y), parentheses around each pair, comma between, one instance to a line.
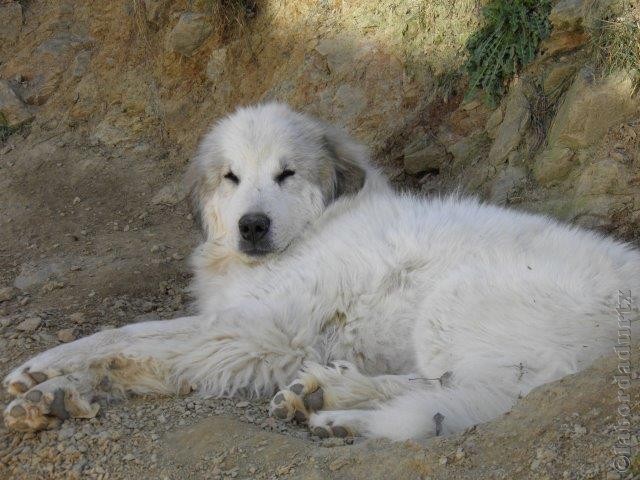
(6,131)
(508,41)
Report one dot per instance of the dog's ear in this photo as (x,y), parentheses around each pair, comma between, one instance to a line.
(195,182)
(349,160)
(201,182)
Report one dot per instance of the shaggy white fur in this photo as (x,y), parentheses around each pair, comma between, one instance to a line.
(375,313)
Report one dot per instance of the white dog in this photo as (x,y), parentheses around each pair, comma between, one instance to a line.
(375,313)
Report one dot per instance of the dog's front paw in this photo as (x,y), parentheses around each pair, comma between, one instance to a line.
(26,377)
(307,394)
(297,401)
(329,424)
(47,404)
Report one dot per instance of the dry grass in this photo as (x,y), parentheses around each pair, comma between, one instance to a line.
(230,12)
(615,39)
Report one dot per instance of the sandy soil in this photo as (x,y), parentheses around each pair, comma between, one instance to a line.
(91,245)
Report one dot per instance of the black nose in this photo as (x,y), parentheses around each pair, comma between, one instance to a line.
(254,226)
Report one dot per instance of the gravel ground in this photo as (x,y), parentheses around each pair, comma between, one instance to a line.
(70,267)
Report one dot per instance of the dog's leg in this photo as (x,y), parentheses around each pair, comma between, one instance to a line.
(61,382)
(243,352)
(124,354)
(416,414)
(338,386)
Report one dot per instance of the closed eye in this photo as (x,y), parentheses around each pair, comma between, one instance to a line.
(286,173)
(233,177)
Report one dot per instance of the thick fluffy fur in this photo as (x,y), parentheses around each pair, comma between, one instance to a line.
(375,313)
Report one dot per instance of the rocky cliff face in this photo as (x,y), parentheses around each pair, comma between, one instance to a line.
(102,105)
(152,75)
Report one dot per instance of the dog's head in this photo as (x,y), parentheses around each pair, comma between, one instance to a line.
(265,173)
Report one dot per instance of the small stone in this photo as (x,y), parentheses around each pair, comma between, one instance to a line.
(76,200)
(7,293)
(579,430)
(338,464)
(242,404)
(171,194)
(66,433)
(216,64)
(189,33)
(66,335)
(29,324)
(443,460)
(52,285)
(13,111)
(77,317)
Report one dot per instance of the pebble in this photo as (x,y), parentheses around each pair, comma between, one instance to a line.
(66,335)
(579,430)
(51,286)
(66,433)
(7,293)
(29,325)
(77,317)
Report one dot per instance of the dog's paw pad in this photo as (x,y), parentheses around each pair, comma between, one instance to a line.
(18,382)
(297,401)
(326,430)
(314,401)
(296,387)
(47,404)
(38,377)
(287,406)
(23,379)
